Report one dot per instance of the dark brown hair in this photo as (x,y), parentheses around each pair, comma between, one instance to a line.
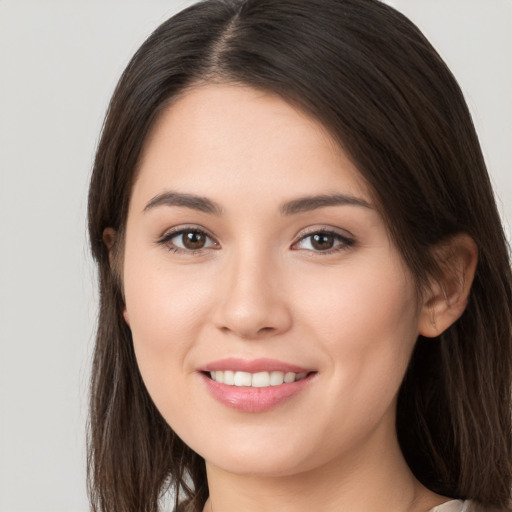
(369,75)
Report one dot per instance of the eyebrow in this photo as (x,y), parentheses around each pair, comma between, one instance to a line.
(192,201)
(309,203)
(299,205)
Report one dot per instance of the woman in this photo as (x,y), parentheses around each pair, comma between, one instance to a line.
(305,286)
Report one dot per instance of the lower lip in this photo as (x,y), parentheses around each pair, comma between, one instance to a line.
(249,399)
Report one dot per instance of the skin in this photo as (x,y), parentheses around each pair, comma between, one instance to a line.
(259,288)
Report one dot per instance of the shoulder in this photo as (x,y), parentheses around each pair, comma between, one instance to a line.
(466,506)
(452,506)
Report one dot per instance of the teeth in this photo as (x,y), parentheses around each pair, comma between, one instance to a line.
(229,377)
(255,380)
(260,380)
(242,379)
(276,378)
(289,377)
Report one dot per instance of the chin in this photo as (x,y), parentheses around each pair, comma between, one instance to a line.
(262,467)
(262,459)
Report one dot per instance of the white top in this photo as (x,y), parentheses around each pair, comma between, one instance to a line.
(452,506)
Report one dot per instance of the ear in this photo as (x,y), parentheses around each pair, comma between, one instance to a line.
(109,239)
(447,297)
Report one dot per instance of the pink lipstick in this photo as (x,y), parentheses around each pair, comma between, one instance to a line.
(254,385)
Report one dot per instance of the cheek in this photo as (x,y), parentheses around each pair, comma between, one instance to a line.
(165,311)
(161,298)
(367,325)
(364,303)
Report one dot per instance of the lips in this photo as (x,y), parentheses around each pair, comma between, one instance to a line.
(254,385)
(253,365)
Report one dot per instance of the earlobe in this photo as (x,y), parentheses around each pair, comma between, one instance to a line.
(126,317)
(447,297)
(109,239)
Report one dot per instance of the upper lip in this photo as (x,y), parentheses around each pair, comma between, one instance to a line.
(253,366)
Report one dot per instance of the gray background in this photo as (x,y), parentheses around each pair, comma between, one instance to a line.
(59,62)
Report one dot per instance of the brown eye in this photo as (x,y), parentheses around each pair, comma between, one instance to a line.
(322,241)
(193,239)
(188,241)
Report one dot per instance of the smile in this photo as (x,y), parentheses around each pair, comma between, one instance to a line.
(256,380)
(257,385)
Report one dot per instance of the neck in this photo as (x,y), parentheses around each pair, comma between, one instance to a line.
(376,479)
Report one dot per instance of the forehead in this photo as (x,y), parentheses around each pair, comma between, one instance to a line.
(239,137)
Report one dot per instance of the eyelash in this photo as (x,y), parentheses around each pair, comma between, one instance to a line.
(166,240)
(345,242)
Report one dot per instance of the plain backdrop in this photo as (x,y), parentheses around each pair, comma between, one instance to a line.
(59,62)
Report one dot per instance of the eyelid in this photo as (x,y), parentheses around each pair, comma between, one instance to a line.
(185,227)
(323,228)
(169,234)
(347,239)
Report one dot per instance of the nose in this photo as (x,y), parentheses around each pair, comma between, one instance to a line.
(252,300)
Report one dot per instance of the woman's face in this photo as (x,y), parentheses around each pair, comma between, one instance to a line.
(253,250)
